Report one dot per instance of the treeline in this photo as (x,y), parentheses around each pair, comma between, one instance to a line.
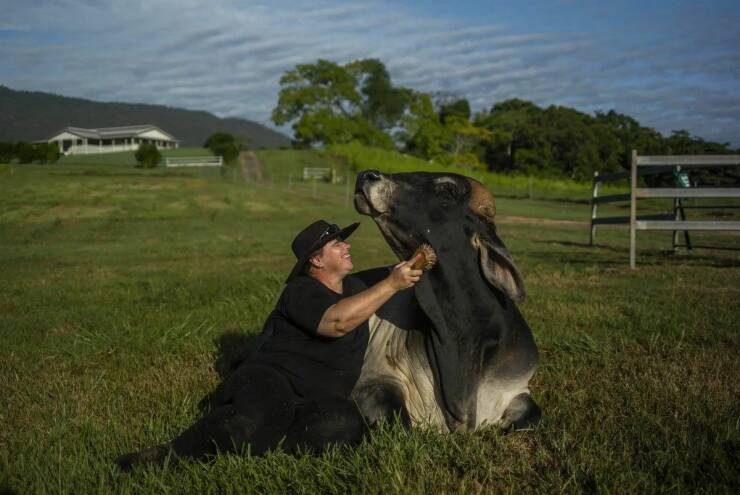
(25,152)
(329,103)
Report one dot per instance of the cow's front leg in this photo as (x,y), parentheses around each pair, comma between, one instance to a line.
(381,399)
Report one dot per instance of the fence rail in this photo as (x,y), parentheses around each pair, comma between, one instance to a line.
(194,161)
(679,223)
(675,221)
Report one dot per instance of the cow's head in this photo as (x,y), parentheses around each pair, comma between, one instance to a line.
(474,274)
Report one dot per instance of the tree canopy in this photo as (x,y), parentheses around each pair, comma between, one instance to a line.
(329,103)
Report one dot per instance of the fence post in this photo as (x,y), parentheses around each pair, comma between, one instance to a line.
(633,209)
(313,192)
(594,206)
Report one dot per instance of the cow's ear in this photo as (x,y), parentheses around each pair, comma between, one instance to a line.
(499,269)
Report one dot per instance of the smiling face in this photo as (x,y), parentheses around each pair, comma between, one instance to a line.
(334,259)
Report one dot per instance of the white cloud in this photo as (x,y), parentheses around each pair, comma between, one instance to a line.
(227,57)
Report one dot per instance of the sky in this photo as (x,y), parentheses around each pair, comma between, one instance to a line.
(669,64)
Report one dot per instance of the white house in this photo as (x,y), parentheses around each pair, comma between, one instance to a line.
(79,141)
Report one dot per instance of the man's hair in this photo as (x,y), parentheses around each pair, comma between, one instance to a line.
(306,269)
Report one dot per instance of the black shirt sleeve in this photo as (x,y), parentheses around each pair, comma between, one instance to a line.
(305,301)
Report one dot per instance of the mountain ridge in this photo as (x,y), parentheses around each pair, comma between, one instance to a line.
(37,115)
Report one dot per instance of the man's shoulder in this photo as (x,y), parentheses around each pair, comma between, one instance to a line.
(302,282)
(305,284)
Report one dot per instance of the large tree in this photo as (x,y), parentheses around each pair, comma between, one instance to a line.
(329,103)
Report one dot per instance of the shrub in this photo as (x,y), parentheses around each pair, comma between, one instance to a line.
(51,152)
(225,145)
(148,156)
(25,152)
(7,152)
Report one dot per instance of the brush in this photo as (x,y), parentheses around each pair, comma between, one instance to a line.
(427,258)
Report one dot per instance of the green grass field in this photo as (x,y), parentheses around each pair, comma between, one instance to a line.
(124,290)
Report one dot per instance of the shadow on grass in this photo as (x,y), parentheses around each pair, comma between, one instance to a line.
(650,257)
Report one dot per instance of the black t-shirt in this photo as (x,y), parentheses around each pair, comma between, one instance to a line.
(315,365)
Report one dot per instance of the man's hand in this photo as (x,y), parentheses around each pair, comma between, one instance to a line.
(403,275)
(344,316)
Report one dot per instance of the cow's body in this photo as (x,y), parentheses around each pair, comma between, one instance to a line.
(454,352)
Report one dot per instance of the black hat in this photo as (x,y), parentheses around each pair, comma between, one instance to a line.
(313,238)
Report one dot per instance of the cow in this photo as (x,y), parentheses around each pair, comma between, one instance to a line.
(454,352)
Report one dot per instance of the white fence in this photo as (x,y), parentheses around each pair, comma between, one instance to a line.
(678,224)
(194,161)
(676,220)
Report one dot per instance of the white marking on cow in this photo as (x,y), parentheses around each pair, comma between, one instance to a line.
(379,195)
(442,180)
(494,396)
(398,356)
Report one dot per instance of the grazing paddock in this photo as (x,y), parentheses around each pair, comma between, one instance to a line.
(124,292)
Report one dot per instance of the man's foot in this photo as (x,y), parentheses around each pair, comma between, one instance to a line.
(155,455)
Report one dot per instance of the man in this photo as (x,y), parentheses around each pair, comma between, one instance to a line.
(295,388)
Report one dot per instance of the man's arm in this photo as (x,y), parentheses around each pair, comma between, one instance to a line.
(347,314)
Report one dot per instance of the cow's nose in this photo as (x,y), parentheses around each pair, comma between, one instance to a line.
(366,176)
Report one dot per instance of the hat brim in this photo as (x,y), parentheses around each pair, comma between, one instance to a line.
(344,234)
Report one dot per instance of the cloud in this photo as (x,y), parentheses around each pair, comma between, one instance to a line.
(227,57)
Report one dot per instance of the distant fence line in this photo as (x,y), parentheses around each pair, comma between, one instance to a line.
(675,221)
(194,161)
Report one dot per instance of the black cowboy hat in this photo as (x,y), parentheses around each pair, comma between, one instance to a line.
(313,238)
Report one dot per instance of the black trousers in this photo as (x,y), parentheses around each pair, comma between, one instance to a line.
(256,407)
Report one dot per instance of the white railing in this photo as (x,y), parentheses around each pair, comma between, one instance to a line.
(93,149)
(677,224)
(320,173)
(194,161)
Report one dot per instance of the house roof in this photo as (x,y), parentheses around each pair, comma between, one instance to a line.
(113,132)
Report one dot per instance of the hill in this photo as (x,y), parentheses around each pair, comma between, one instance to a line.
(33,116)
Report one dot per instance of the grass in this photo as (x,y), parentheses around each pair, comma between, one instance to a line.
(123,289)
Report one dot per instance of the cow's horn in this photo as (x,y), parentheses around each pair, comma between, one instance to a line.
(481,201)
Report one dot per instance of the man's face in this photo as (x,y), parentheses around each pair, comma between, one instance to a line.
(335,257)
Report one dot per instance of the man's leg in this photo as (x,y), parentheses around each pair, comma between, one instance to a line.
(323,422)
(260,411)
(257,409)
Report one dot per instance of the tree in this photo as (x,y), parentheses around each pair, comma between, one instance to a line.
(459,108)
(329,103)
(382,104)
(147,155)
(224,145)
(422,132)
(515,126)
(464,136)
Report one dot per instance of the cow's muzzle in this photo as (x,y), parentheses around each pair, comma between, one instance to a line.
(373,192)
